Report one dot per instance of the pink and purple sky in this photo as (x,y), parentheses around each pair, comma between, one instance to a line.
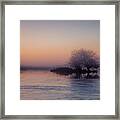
(48,43)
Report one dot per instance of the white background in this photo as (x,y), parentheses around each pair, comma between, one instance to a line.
(104,13)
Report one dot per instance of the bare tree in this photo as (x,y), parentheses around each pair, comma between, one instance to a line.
(84,59)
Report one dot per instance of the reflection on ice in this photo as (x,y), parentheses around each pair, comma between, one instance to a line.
(45,85)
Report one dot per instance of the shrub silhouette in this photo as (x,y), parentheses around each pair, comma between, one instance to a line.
(84,59)
(83,64)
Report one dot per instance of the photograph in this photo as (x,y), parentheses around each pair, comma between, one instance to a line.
(59,59)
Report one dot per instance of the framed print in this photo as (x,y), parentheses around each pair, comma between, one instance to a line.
(60,60)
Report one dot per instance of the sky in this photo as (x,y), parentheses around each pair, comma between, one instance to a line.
(49,43)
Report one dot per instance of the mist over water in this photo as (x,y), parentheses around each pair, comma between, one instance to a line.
(45,85)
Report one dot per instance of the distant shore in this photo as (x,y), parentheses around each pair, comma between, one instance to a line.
(93,73)
(24,68)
